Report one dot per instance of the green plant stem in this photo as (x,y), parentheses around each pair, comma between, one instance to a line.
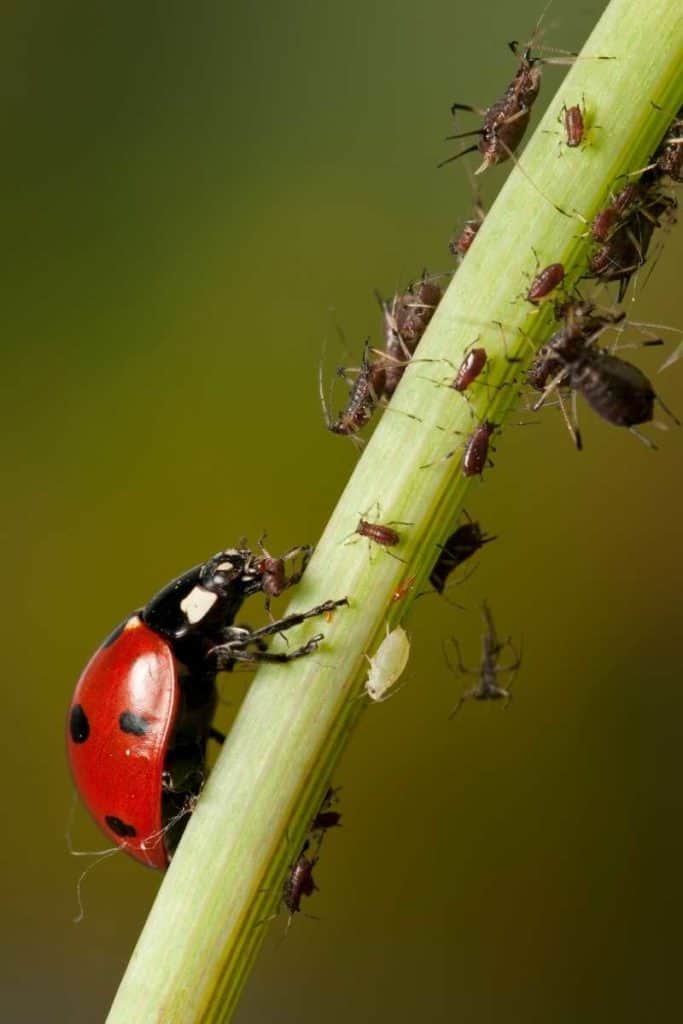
(204,930)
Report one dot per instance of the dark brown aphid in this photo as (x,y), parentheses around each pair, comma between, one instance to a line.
(379,533)
(545,282)
(326,818)
(299,881)
(616,390)
(274,570)
(415,309)
(460,546)
(460,244)
(573,125)
(489,670)
(405,320)
(505,122)
(476,452)
(669,156)
(364,396)
(667,160)
(605,220)
(470,368)
(626,247)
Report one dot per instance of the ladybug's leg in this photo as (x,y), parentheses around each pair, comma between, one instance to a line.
(237,638)
(231,653)
(289,621)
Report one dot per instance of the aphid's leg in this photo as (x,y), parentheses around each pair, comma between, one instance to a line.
(214,734)
(444,458)
(668,411)
(508,357)
(456,156)
(645,440)
(305,551)
(673,358)
(463,135)
(467,695)
(470,110)
(460,668)
(571,426)
(549,388)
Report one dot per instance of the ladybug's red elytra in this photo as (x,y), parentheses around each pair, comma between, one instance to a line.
(141,714)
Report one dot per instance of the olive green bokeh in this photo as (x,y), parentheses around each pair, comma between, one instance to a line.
(194,196)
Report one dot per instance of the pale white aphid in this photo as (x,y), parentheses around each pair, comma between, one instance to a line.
(387,664)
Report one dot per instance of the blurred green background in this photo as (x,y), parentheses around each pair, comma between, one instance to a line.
(192,193)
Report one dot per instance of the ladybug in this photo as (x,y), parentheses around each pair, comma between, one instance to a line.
(141,714)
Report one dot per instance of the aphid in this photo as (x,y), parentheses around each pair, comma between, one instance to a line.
(378,533)
(404,321)
(505,122)
(616,390)
(364,396)
(606,219)
(545,282)
(326,818)
(669,156)
(574,125)
(667,160)
(402,589)
(461,545)
(489,670)
(476,451)
(299,881)
(387,664)
(625,248)
(274,573)
(470,368)
(415,308)
(460,244)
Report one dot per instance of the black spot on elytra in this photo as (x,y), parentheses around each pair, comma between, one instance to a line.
(119,827)
(130,722)
(79,726)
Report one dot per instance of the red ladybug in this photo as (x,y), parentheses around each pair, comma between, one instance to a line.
(141,714)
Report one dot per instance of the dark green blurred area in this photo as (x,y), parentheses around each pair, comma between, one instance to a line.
(188,192)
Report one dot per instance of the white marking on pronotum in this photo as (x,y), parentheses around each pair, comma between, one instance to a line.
(387,664)
(197,603)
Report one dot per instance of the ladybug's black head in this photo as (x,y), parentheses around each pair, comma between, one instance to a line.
(230,571)
(206,598)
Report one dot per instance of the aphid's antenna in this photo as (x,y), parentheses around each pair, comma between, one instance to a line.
(321,387)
